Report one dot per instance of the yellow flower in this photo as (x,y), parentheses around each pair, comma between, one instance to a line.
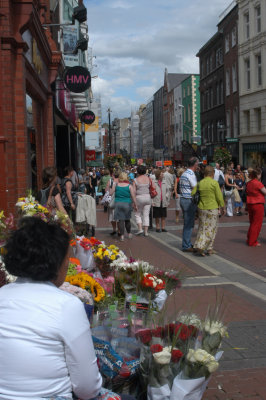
(106,253)
(113,257)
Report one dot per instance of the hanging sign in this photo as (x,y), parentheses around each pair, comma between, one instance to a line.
(77,79)
(88,117)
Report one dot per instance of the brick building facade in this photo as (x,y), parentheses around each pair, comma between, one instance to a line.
(29,62)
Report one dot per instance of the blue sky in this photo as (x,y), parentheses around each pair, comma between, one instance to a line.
(134,41)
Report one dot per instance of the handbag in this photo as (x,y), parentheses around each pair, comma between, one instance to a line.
(112,202)
(153,192)
(196,197)
(106,199)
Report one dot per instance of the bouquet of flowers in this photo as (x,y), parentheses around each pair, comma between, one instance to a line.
(177,359)
(104,256)
(28,206)
(86,282)
(172,280)
(82,294)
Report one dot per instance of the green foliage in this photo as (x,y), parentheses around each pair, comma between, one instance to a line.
(113,161)
(222,156)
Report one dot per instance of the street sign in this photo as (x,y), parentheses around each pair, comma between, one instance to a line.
(159,163)
(167,163)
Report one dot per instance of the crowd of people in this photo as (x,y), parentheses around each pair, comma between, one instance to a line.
(147,192)
(220,192)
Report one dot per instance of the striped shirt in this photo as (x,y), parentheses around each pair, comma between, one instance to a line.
(187,182)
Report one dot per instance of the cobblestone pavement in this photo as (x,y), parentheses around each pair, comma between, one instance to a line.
(237,273)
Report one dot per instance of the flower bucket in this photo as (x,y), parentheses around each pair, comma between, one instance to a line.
(86,257)
(158,393)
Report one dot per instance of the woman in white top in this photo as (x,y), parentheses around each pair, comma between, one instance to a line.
(141,186)
(45,340)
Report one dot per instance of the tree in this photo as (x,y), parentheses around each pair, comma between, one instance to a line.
(222,156)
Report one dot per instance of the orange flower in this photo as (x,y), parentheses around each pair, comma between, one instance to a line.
(74,260)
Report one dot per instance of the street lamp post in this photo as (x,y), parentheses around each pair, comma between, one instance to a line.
(109,118)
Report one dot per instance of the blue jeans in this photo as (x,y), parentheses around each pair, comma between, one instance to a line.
(189,210)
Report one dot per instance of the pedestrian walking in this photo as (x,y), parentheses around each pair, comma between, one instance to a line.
(161,201)
(256,192)
(50,195)
(111,211)
(102,184)
(188,181)
(229,186)
(177,194)
(211,199)
(141,185)
(124,197)
(69,196)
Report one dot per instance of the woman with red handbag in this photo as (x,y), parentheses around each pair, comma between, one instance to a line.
(141,186)
(161,201)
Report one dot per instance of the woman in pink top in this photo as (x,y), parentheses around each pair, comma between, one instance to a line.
(256,192)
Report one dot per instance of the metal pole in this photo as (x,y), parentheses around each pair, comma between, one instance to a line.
(110,140)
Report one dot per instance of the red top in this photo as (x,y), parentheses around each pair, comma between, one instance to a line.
(254,194)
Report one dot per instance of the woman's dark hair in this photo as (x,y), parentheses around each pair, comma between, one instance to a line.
(48,175)
(192,161)
(106,172)
(157,173)
(141,170)
(36,250)
(255,173)
(67,170)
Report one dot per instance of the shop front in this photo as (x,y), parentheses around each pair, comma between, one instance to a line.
(254,154)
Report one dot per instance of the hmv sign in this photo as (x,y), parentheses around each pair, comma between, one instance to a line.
(88,117)
(77,79)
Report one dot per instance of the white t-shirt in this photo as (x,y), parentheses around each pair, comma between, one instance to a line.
(217,173)
(187,182)
(45,344)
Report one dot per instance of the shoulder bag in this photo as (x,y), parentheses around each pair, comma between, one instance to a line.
(196,197)
(153,192)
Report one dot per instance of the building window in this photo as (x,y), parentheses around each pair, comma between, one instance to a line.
(234,36)
(188,113)
(258,119)
(217,93)
(246,24)
(258,18)
(221,92)
(211,97)
(201,69)
(226,43)
(247,71)
(207,99)
(188,90)
(247,121)
(234,78)
(210,63)
(227,82)
(219,57)
(207,66)
(228,124)
(259,71)
(235,122)
(184,92)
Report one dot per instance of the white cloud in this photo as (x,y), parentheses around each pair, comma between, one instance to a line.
(146,91)
(135,40)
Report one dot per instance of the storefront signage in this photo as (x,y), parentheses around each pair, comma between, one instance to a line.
(232,140)
(77,79)
(254,147)
(140,161)
(90,155)
(159,163)
(133,160)
(167,162)
(88,117)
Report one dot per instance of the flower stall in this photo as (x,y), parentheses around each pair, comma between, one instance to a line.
(139,350)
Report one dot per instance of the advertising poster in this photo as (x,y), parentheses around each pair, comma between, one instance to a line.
(70,38)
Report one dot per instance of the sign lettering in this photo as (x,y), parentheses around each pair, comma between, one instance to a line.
(77,79)
(88,117)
